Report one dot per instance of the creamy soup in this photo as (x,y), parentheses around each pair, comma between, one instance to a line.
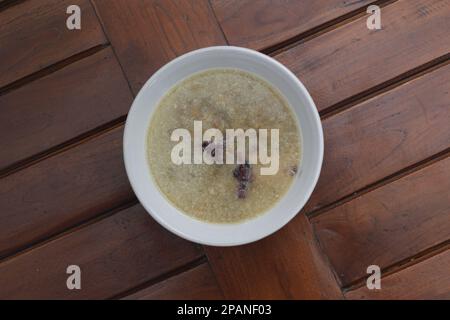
(222,99)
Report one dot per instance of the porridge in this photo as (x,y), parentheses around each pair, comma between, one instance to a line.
(222,99)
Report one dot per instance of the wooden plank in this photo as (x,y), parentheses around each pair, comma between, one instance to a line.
(389,224)
(62,191)
(34,36)
(195,284)
(351,59)
(61,106)
(384,135)
(114,255)
(286,265)
(265,23)
(429,279)
(146,34)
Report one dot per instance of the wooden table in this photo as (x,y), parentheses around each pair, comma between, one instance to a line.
(383,196)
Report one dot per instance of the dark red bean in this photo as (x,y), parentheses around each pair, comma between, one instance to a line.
(243,173)
(205,144)
(293,170)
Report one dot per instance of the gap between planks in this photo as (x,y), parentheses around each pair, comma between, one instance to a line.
(380,183)
(112,47)
(401,265)
(9,3)
(167,275)
(322,29)
(51,69)
(386,86)
(162,277)
(217,21)
(69,144)
(72,229)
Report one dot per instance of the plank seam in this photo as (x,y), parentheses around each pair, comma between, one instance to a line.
(213,271)
(326,27)
(68,230)
(382,182)
(402,265)
(386,86)
(218,22)
(165,276)
(9,3)
(112,47)
(59,148)
(84,224)
(325,258)
(51,68)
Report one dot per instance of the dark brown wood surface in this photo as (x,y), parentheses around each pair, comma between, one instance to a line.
(62,191)
(287,265)
(124,250)
(266,23)
(382,197)
(146,34)
(425,280)
(383,135)
(351,59)
(58,107)
(197,283)
(389,224)
(34,36)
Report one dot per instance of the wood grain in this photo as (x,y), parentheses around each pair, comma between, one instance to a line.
(383,135)
(61,106)
(62,191)
(34,36)
(148,34)
(286,265)
(265,23)
(114,255)
(389,224)
(195,284)
(429,279)
(351,59)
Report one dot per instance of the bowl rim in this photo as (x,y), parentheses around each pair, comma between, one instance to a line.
(315,116)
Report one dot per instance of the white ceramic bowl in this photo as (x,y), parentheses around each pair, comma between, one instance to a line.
(135,146)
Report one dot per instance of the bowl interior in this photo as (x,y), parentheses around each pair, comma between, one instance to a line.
(136,158)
